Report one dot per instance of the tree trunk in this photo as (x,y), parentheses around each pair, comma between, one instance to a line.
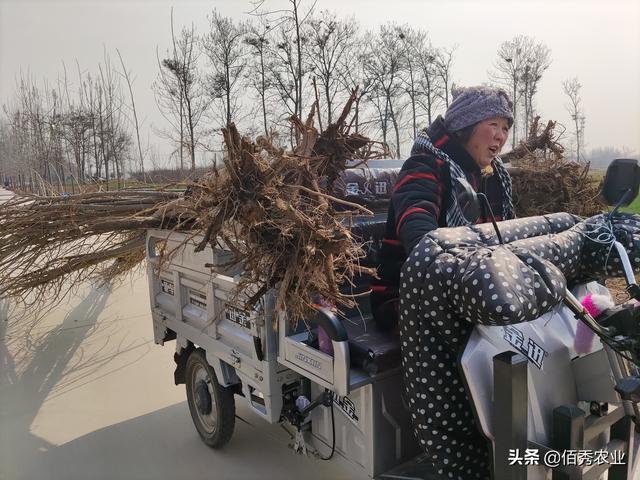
(356,116)
(413,101)
(263,93)
(515,122)
(429,107)
(228,94)
(577,135)
(104,152)
(181,148)
(327,95)
(96,152)
(396,129)
(299,50)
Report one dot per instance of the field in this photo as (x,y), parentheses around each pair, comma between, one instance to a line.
(635,205)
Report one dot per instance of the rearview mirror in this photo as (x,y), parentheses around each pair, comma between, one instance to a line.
(468,200)
(621,182)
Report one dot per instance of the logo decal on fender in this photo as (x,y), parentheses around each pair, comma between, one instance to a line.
(346,405)
(526,346)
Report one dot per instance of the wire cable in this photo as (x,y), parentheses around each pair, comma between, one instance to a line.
(601,233)
(333,435)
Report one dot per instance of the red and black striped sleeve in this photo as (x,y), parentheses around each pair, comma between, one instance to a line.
(417,198)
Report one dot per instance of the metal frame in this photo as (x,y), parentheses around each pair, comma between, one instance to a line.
(188,308)
(572,428)
(510,397)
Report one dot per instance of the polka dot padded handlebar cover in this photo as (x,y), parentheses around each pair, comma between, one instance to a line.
(484,282)
(456,277)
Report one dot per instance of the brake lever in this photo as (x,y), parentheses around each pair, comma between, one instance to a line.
(632,287)
(634,291)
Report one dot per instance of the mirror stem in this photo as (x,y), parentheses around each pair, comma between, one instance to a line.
(620,203)
(493,218)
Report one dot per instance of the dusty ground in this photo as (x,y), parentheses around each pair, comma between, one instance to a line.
(618,288)
(86,394)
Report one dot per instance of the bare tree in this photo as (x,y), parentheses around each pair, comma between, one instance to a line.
(537,62)
(99,130)
(258,42)
(519,67)
(384,69)
(284,74)
(444,64)
(10,169)
(289,42)
(55,125)
(412,43)
(168,96)
(35,121)
(423,74)
(52,134)
(512,58)
(34,132)
(225,47)
(76,127)
(101,121)
(129,81)
(33,109)
(354,75)
(430,82)
(93,95)
(331,43)
(180,95)
(111,126)
(297,20)
(571,88)
(18,160)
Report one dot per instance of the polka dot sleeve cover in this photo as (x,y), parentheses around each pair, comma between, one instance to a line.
(456,277)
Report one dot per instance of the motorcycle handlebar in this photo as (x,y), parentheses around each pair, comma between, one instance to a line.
(628,270)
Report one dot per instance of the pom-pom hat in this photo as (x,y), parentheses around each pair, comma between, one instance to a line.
(471,105)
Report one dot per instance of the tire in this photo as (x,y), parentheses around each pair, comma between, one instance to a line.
(212,407)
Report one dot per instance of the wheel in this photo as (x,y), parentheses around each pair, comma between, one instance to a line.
(212,407)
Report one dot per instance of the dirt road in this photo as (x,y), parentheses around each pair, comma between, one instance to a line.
(85,394)
(5,195)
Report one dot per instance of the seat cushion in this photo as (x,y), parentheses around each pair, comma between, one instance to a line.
(371,349)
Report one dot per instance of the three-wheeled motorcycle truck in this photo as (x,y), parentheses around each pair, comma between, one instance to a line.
(530,389)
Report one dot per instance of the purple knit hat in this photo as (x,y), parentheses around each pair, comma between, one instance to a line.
(471,105)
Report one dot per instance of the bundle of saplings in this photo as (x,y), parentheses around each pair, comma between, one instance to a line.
(274,209)
(544,181)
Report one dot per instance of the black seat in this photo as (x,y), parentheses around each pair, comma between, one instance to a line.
(370,348)
(369,231)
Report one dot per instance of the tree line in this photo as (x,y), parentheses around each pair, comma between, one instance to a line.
(257,73)
(59,134)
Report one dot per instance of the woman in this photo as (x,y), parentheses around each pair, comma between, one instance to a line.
(465,143)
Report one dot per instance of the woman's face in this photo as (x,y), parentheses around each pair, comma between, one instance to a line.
(487,139)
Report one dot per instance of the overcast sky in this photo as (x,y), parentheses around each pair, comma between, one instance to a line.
(597,41)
